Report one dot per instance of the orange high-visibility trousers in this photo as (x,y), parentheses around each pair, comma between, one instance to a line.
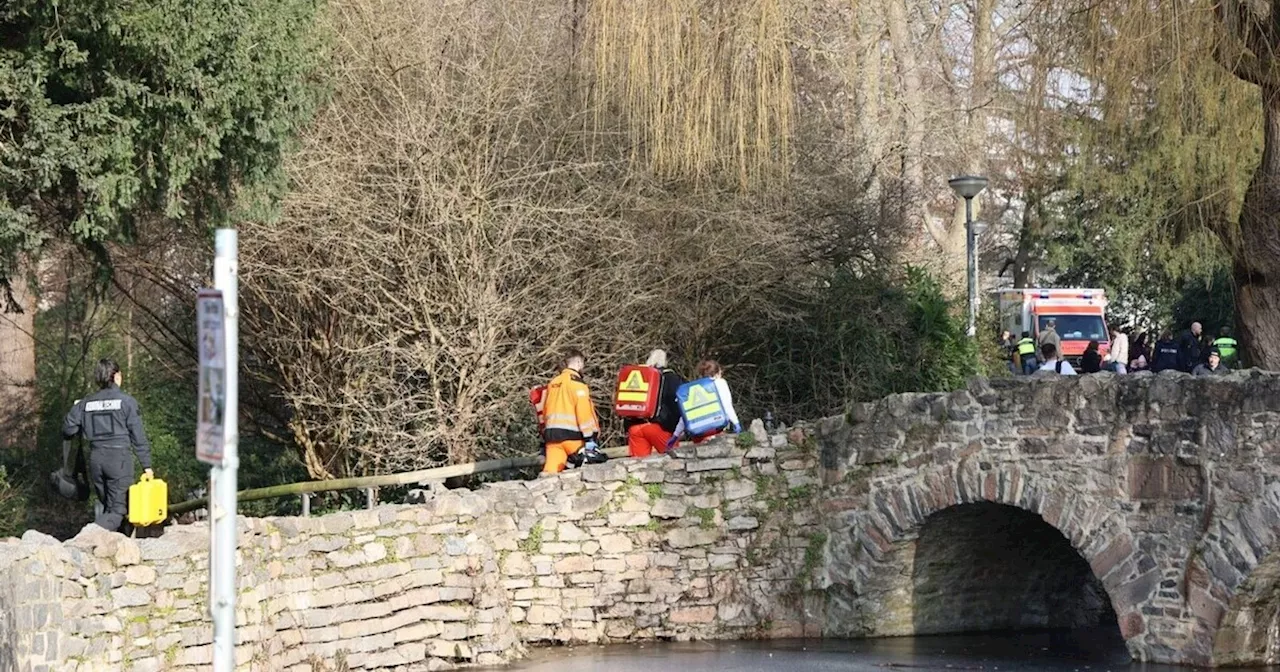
(558,453)
(646,437)
(706,436)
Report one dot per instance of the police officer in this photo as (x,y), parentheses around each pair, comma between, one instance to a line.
(1227,347)
(111,422)
(1027,353)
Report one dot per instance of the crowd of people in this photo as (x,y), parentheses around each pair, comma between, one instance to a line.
(1191,351)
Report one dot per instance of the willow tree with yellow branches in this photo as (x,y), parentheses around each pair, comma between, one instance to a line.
(704,89)
(1206,69)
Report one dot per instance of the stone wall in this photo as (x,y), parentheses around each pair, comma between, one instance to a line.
(717,542)
(1012,503)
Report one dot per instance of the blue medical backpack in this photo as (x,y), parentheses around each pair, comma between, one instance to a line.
(700,406)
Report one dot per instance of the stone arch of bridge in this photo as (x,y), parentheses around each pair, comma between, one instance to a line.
(1233,584)
(870,565)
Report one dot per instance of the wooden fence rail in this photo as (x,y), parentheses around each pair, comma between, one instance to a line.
(306,488)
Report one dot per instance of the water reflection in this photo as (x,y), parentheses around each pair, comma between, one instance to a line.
(1094,650)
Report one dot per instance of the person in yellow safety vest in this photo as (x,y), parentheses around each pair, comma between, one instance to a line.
(1027,353)
(572,428)
(1228,348)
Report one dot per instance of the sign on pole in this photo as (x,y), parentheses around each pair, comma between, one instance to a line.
(211,412)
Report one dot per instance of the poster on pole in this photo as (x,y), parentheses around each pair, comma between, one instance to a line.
(211,410)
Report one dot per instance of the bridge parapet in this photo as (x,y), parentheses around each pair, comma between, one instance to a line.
(719,542)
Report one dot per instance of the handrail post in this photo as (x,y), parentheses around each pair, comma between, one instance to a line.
(370,497)
(306,504)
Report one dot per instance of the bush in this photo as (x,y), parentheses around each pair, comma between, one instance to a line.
(859,337)
(13,505)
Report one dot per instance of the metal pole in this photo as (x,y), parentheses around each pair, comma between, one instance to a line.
(222,521)
(972,329)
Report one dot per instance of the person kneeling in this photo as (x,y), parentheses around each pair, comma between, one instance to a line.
(644,437)
(572,429)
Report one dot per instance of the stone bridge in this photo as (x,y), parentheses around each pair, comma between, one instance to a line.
(1147,505)
(1149,501)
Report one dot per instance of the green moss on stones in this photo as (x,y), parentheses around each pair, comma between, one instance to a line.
(532,544)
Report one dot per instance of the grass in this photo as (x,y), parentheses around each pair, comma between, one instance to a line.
(800,492)
(812,558)
(532,544)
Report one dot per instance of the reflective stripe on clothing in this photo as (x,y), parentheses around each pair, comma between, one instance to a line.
(570,415)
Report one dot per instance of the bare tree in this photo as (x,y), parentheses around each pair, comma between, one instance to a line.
(456,221)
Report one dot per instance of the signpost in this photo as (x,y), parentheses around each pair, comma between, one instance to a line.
(211,409)
(217,434)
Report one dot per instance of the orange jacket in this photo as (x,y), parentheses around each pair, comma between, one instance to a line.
(568,410)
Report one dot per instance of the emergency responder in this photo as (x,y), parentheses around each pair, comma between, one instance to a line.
(572,430)
(1228,347)
(111,422)
(1027,353)
(646,436)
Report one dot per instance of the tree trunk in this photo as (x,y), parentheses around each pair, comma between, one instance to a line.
(911,102)
(19,407)
(982,60)
(1256,254)
(1027,238)
(869,61)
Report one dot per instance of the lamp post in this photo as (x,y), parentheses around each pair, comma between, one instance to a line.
(968,186)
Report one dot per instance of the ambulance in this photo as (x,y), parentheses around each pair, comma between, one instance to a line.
(1079,314)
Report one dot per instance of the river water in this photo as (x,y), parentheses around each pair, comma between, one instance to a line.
(1076,651)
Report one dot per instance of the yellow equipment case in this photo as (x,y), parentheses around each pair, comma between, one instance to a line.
(148,501)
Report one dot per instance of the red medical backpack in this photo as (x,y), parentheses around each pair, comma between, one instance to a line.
(538,397)
(637,392)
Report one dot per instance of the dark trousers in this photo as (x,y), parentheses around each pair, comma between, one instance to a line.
(111,473)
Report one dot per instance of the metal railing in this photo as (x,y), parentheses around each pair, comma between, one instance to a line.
(370,484)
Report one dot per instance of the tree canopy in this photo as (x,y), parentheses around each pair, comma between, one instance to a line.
(116,113)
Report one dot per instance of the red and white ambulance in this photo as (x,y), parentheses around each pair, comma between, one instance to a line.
(1079,314)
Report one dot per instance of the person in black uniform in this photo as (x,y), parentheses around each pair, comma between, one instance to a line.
(111,422)
(1191,348)
(1166,356)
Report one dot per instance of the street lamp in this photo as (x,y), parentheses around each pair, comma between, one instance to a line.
(968,186)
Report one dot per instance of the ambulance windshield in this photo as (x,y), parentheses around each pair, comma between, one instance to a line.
(1076,327)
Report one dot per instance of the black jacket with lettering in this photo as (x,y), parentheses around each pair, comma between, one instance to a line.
(109,418)
(1166,356)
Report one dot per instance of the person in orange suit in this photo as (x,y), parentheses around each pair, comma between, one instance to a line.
(572,428)
(646,436)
